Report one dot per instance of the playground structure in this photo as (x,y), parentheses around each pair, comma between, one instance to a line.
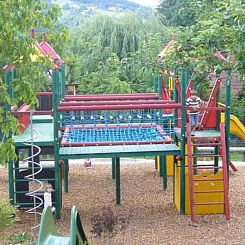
(129,125)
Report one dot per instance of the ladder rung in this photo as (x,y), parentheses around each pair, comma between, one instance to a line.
(207,155)
(206,144)
(25,180)
(206,167)
(25,192)
(209,203)
(23,168)
(208,191)
(215,179)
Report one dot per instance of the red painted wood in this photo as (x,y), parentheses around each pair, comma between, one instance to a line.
(123,102)
(118,107)
(111,97)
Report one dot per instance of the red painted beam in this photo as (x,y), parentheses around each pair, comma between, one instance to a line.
(124,102)
(118,107)
(111,97)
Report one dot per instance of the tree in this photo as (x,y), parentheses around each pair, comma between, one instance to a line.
(17,18)
(177,12)
(219,28)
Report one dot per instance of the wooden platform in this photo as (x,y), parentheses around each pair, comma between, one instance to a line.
(118,151)
(45,138)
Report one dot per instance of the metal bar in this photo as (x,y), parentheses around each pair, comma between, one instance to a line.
(183,143)
(66,175)
(118,107)
(118,188)
(55,85)
(115,102)
(227,118)
(112,96)
(163,169)
(113,168)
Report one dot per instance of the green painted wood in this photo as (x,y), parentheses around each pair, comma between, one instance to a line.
(113,168)
(56,96)
(66,173)
(45,138)
(183,142)
(117,151)
(227,117)
(42,119)
(118,184)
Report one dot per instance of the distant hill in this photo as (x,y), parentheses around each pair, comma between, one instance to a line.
(110,5)
(72,10)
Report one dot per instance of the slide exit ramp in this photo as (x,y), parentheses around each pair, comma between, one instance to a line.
(48,234)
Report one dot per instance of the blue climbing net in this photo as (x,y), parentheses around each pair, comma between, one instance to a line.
(115,126)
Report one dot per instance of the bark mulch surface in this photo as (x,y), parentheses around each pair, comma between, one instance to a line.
(150,214)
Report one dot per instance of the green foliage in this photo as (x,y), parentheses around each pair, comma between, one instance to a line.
(20,238)
(17,18)
(101,46)
(220,28)
(177,12)
(7,213)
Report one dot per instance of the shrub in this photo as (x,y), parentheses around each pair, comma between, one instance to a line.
(7,214)
(107,223)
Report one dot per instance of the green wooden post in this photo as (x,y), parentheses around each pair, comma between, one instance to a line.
(118,188)
(66,175)
(160,86)
(11,181)
(55,83)
(163,171)
(63,86)
(227,117)
(155,84)
(7,80)
(183,142)
(113,168)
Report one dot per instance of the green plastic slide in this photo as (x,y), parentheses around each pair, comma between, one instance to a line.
(48,234)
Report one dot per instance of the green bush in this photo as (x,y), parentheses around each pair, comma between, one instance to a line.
(7,214)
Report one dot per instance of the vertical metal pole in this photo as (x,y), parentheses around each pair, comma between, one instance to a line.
(63,86)
(113,167)
(160,86)
(11,181)
(183,142)
(118,190)
(155,84)
(7,79)
(227,117)
(163,171)
(55,83)
(66,176)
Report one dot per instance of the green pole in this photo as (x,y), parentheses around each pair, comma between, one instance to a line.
(113,168)
(155,84)
(227,117)
(183,142)
(163,171)
(55,83)
(66,176)
(63,86)
(7,80)
(160,86)
(118,190)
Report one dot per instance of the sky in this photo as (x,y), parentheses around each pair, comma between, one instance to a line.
(149,3)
